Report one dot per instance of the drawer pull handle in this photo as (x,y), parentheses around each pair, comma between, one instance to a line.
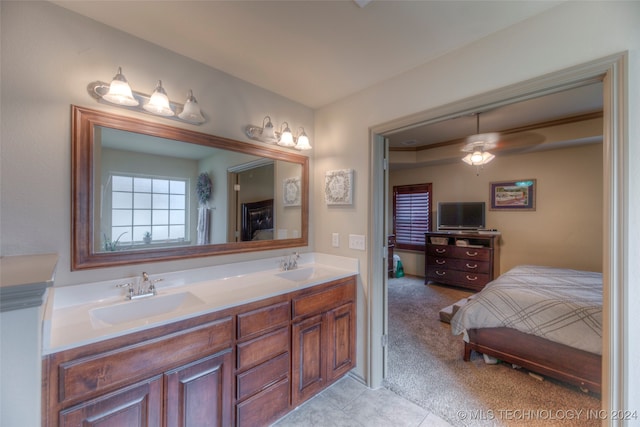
(472,253)
(441,251)
(441,261)
(471,279)
(441,273)
(472,266)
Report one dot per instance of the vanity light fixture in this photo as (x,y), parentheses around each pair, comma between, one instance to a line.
(283,138)
(159,102)
(119,93)
(266,133)
(303,141)
(191,112)
(286,137)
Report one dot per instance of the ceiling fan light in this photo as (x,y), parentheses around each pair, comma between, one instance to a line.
(478,158)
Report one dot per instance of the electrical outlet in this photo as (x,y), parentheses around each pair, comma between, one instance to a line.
(356,241)
(335,240)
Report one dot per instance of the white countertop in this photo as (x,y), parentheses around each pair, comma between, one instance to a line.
(72,312)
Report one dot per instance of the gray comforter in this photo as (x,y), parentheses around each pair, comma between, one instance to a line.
(558,304)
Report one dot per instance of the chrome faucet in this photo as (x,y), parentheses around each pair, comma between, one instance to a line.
(142,288)
(289,262)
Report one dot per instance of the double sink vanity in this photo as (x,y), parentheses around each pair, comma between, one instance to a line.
(237,344)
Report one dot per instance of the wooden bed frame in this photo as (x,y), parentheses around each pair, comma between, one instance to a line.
(559,361)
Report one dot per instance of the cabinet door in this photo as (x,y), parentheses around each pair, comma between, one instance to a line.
(137,405)
(341,334)
(308,371)
(199,394)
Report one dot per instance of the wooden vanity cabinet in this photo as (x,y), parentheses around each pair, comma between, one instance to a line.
(174,375)
(323,337)
(240,366)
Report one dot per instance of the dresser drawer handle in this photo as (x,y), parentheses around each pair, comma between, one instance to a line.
(472,253)
(471,279)
(472,266)
(441,251)
(441,261)
(441,273)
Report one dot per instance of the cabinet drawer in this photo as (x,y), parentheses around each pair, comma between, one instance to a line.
(263,348)
(323,300)
(262,319)
(481,254)
(460,278)
(93,374)
(265,407)
(262,376)
(440,250)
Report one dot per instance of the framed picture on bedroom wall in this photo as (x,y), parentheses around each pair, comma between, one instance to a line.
(513,195)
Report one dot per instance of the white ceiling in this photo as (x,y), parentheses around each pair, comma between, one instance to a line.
(311,51)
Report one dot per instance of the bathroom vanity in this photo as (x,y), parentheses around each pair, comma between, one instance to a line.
(238,350)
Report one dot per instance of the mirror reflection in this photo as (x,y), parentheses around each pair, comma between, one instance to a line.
(163,193)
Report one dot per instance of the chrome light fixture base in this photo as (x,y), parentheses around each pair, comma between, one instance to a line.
(99,89)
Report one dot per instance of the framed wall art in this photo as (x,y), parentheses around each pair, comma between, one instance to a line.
(513,195)
(291,191)
(338,187)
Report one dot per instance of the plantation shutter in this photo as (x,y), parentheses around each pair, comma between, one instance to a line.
(411,215)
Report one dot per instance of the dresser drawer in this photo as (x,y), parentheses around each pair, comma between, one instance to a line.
(441,251)
(480,254)
(265,347)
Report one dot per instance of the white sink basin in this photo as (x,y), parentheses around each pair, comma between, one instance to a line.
(298,275)
(142,309)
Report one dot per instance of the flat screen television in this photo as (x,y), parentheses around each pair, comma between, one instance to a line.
(461,215)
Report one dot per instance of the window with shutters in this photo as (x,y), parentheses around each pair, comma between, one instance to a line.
(411,215)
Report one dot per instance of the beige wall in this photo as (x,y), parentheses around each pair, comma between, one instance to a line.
(49,56)
(565,230)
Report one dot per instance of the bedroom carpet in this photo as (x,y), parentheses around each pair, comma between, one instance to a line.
(425,366)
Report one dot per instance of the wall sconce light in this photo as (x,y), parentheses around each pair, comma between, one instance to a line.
(284,137)
(119,93)
(303,141)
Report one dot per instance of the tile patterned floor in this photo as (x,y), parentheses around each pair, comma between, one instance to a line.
(348,403)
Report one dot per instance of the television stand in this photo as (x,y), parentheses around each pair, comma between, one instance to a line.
(468,259)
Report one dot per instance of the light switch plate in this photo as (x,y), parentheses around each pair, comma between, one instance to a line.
(335,240)
(356,241)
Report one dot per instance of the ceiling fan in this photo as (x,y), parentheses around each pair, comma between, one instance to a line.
(477,145)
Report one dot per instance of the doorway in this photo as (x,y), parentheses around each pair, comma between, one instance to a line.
(608,70)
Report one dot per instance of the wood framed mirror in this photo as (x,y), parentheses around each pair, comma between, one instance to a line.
(135,195)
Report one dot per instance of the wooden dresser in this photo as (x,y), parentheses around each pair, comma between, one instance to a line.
(465,259)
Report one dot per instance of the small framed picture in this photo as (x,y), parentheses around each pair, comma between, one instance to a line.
(291,191)
(338,187)
(513,195)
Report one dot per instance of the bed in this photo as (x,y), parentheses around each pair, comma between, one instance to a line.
(547,320)
(257,220)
